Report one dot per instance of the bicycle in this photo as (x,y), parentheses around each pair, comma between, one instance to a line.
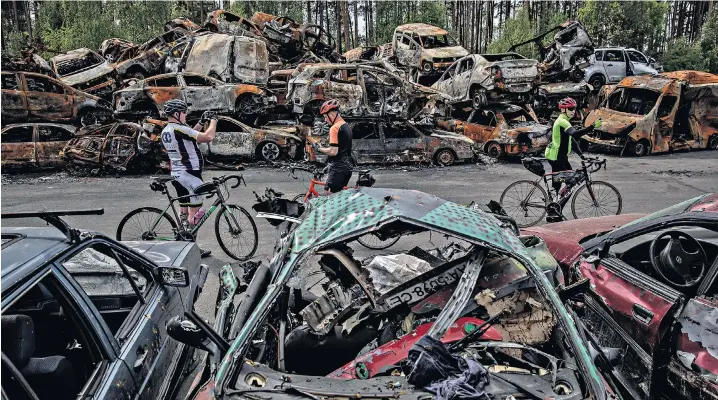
(370,240)
(526,201)
(155,224)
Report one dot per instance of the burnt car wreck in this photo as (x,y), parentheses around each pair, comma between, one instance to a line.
(378,322)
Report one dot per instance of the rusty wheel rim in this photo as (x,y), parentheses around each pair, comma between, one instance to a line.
(494,150)
(446,158)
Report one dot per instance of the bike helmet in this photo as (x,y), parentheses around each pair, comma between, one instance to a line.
(567,103)
(175,106)
(329,105)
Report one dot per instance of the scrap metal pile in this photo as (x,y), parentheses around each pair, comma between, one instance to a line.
(270,71)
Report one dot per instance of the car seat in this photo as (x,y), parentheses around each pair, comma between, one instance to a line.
(51,377)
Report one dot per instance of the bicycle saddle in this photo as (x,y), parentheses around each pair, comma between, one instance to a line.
(205,188)
(362,171)
(163,179)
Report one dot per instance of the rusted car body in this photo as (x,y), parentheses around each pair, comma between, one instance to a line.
(228,58)
(566,57)
(34,145)
(111,49)
(113,147)
(381,141)
(655,114)
(223,21)
(426,49)
(648,297)
(181,22)
(297,43)
(549,94)
(202,93)
(503,129)
(148,59)
(490,78)
(369,53)
(362,90)
(29,62)
(86,70)
(27,96)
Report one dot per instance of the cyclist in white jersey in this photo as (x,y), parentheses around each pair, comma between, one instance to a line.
(180,142)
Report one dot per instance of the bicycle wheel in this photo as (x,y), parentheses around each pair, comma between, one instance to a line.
(147,223)
(525,202)
(607,200)
(239,242)
(299,197)
(372,241)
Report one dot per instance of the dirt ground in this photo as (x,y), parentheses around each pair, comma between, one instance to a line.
(646,184)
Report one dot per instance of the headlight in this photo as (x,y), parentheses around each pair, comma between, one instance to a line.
(426,66)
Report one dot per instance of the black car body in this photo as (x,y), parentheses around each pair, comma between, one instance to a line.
(83,316)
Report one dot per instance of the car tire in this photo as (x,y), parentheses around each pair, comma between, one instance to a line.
(269,151)
(597,81)
(246,108)
(91,116)
(576,75)
(479,98)
(494,150)
(640,148)
(712,142)
(445,157)
(138,74)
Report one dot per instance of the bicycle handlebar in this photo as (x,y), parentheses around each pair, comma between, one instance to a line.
(222,179)
(594,163)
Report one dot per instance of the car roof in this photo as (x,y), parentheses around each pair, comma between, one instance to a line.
(422,29)
(65,126)
(30,248)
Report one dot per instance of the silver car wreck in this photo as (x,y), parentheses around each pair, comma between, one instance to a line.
(86,70)
(362,90)
(490,78)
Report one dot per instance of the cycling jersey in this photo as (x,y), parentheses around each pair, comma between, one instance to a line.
(180,141)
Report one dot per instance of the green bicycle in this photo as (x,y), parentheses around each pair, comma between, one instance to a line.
(234,227)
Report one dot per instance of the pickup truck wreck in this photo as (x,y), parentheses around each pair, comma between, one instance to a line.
(480,313)
(655,114)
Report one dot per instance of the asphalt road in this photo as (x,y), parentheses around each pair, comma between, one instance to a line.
(646,184)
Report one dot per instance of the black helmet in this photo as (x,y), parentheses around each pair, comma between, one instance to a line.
(174,106)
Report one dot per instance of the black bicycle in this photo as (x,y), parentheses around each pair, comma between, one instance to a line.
(234,227)
(526,201)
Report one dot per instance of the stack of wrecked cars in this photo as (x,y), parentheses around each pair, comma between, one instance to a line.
(321,321)
(658,113)
(425,50)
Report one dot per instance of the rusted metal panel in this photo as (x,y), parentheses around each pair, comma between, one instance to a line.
(228,57)
(86,70)
(697,344)
(421,29)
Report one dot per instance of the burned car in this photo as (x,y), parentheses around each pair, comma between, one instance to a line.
(565,57)
(84,313)
(548,96)
(86,70)
(427,50)
(181,22)
(380,141)
(652,293)
(502,129)
(322,322)
(202,93)
(228,58)
(490,78)
(35,145)
(654,114)
(118,147)
(29,62)
(297,43)
(369,53)
(361,90)
(111,49)
(148,59)
(223,21)
(27,96)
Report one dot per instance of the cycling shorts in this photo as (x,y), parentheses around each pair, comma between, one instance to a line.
(337,179)
(185,182)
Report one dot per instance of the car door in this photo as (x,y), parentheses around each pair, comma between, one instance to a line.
(639,62)
(445,83)
(230,140)
(665,118)
(367,145)
(135,310)
(18,145)
(481,126)
(14,101)
(460,83)
(163,88)
(47,98)
(407,50)
(203,94)
(403,142)
(51,139)
(614,63)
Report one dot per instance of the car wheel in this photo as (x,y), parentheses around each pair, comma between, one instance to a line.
(445,157)
(478,98)
(494,150)
(576,75)
(640,148)
(597,81)
(89,118)
(713,142)
(270,151)
(139,75)
(247,107)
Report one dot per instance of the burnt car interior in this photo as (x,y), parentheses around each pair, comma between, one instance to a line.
(79,64)
(352,317)
(632,100)
(48,343)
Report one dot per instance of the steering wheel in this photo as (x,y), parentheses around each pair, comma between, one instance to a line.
(674,263)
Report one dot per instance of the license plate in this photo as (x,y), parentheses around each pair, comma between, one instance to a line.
(421,290)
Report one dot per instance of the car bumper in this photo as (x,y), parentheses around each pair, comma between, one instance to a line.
(616,143)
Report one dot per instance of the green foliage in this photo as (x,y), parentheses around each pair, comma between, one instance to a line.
(708,42)
(516,30)
(15,41)
(681,55)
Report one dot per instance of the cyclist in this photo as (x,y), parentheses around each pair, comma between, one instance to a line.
(180,141)
(339,150)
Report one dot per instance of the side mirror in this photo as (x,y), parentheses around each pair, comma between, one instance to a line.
(173,276)
(187,332)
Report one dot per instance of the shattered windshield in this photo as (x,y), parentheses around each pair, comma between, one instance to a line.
(517,117)
(75,65)
(633,100)
(437,41)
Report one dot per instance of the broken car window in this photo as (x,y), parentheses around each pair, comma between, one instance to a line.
(196,80)
(436,41)
(53,134)
(637,57)
(40,84)
(614,55)
(667,104)
(483,117)
(633,100)
(599,56)
(78,64)
(224,125)
(399,131)
(9,82)
(18,134)
(466,65)
(364,131)
(164,81)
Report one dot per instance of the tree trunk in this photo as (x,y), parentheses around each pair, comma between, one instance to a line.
(356,23)
(345,22)
(337,20)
